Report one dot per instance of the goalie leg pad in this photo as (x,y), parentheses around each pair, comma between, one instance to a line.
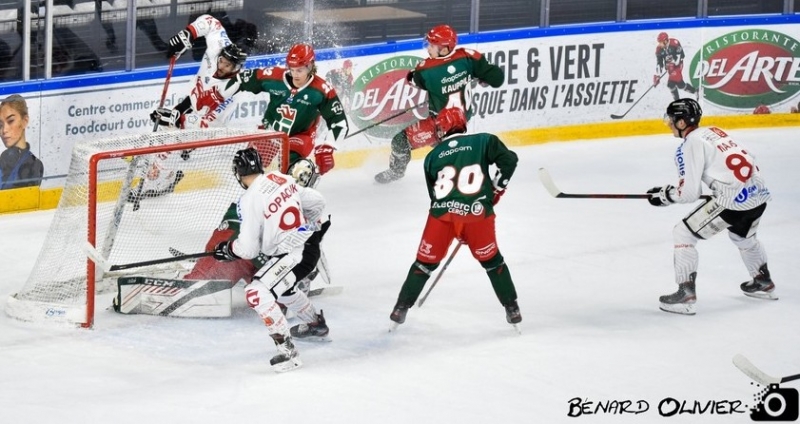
(170,297)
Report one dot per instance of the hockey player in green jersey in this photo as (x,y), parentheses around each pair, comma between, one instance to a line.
(446,76)
(463,195)
(298,98)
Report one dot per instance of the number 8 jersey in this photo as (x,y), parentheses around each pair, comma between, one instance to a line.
(457,173)
(708,155)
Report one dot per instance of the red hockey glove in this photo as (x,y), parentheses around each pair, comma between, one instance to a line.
(498,193)
(499,183)
(323,156)
(656,79)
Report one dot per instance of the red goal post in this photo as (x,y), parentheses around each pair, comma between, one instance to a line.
(137,197)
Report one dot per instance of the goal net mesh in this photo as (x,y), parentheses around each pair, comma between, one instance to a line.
(148,206)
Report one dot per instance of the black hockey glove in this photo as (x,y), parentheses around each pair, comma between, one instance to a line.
(179,43)
(410,77)
(499,183)
(166,117)
(659,196)
(224,252)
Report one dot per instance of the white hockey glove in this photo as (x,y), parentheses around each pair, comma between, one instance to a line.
(660,196)
(167,117)
(179,43)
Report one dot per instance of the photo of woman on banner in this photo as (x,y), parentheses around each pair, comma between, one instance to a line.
(18,166)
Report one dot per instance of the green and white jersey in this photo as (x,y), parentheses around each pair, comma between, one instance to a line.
(447,79)
(457,173)
(295,110)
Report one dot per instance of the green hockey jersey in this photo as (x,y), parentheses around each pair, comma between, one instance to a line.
(457,173)
(447,79)
(295,110)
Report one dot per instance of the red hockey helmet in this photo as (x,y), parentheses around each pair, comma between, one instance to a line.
(347,64)
(442,35)
(300,55)
(450,121)
(662,37)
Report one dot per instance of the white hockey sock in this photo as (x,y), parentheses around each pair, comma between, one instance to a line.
(753,254)
(685,254)
(298,303)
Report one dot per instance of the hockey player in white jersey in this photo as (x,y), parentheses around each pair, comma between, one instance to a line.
(282,220)
(739,196)
(209,101)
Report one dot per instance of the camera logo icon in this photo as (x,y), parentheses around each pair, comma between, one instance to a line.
(776,404)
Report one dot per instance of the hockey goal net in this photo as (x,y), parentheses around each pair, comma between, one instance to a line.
(133,199)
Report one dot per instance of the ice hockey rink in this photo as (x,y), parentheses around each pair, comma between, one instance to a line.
(588,273)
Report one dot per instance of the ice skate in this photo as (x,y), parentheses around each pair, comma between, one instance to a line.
(388,176)
(760,287)
(287,358)
(513,315)
(682,301)
(311,331)
(398,316)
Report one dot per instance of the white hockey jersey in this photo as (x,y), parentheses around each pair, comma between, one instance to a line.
(211,97)
(277,216)
(708,155)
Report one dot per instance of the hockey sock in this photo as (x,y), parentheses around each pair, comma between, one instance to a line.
(500,277)
(417,276)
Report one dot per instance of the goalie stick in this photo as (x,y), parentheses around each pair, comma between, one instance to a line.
(756,374)
(548,183)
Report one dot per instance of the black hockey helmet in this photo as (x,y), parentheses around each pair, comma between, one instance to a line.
(686,109)
(234,55)
(246,162)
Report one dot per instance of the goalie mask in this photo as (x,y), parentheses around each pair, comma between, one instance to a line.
(305,172)
(246,162)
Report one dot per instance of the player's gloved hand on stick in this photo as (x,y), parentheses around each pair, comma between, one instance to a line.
(179,43)
(224,252)
(659,196)
(410,77)
(499,183)
(656,79)
(323,156)
(166,117)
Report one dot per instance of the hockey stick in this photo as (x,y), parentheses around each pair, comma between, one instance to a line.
(402,112)
(166,86)
(756,374)
(613,116)
(548,183)
(439,276)
(159,261)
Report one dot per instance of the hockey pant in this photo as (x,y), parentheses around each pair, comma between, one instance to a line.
(208,268)
(420,134)
(479,236)
(710,219)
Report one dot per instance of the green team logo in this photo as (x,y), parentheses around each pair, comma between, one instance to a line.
(381,92)
(745,68)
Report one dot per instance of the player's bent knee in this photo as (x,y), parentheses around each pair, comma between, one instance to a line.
(493,263)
